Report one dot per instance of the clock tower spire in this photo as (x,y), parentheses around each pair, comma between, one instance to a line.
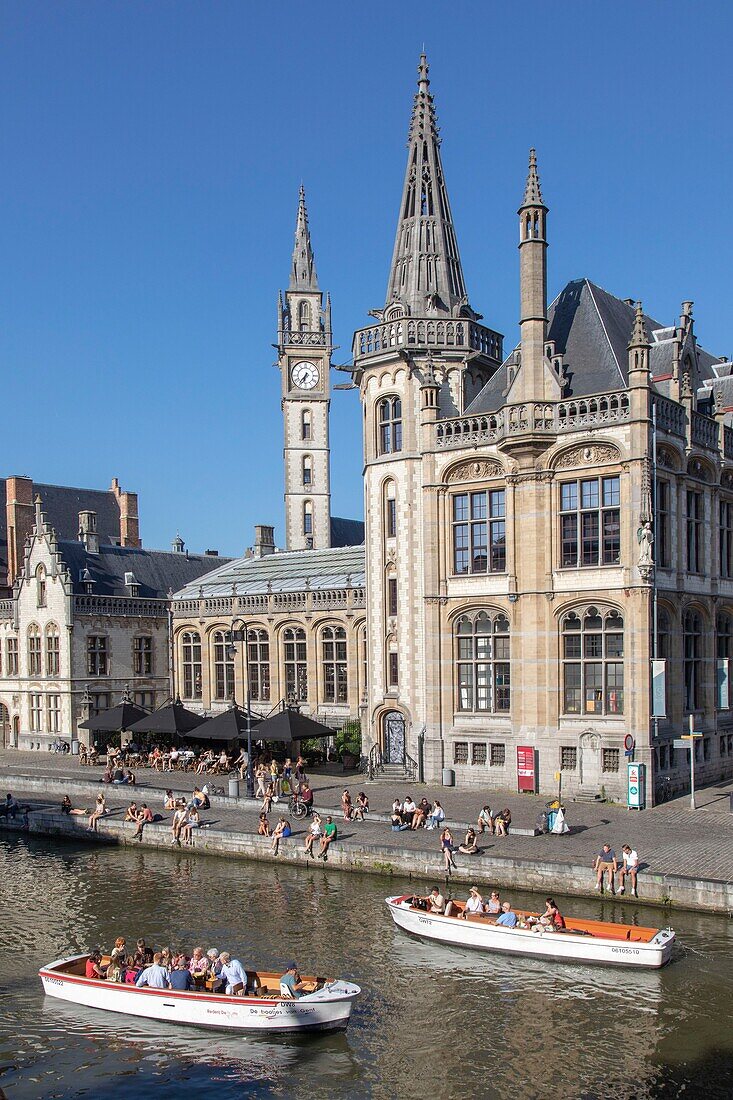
(304,346)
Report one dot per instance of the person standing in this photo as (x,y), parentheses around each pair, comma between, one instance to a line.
(606,864)
(630,867)
(447,848)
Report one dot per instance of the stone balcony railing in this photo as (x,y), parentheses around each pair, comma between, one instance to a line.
(549,418)
(271,603)
(305,339)
(671,417)
(120,605)
(6,609)
(704,431)
(428,334)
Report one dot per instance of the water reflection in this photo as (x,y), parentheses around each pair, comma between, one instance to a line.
(433,1020)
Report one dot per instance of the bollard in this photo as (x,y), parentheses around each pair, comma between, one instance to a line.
(449,777)
(234,788)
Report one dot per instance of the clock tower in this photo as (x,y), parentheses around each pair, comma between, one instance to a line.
(304,346)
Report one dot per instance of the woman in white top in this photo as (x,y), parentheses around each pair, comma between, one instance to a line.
(99,810)
(313,833)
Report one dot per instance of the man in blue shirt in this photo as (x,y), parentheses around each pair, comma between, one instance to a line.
(507,918)
(155,976)
(233,973)
(290,984)
(180,977)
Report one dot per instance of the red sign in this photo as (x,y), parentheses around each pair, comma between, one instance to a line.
(526,769)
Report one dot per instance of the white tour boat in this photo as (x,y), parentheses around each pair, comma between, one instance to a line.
(326,1006)
(582,941)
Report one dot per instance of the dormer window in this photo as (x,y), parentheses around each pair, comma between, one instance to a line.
(87,582)
(132,585)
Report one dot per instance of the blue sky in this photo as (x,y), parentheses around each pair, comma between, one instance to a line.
(152,153)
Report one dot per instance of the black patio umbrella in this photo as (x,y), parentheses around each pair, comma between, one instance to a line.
(172,720)
(229,726)
(291,725)
(118,719)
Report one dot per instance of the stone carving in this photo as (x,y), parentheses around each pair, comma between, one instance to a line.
(594,455)
(645,538)
(668,459)
(475,471)
(698,469)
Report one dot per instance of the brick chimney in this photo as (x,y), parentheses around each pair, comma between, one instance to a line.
(20,515)
(129,525)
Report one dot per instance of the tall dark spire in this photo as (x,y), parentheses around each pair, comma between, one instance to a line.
(426,275)
(303,272)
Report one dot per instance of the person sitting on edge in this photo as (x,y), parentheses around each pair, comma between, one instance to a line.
(93,968)
(107,775)
(485,820)
(361,808)
(263,825)
(507,918)
(197,798)
(99,810)
(179,820)
(233,974)
(420,815)
(553,914)
(330,833)
(469,846)
(290,983)
(493,905)
(180,976)
(67,808)
(502,821)
(435,901)
(191,822)
(313,834)
(281,830)
(346,804)
(631,868)
(436,816)
(169,803)
(155,976)
(144,817)
(474,905)
(131,812)
(605,864)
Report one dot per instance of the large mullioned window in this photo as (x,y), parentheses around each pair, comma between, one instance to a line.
(593,667)
(223,667)
(479,532)
(258,659)
(335,674)
(191,654)
(482,662)
(389,425)
(295,652)
(590,522)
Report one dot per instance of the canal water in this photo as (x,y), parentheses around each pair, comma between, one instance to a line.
(433,1022)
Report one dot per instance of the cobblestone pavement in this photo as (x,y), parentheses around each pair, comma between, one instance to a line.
(670,838)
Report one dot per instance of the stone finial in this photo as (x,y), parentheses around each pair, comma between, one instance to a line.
(532,190)
(639,337)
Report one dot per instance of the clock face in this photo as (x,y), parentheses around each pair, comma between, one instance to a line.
(305,375)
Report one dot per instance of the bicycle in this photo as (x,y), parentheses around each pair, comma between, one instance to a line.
(299,808)
(663,790)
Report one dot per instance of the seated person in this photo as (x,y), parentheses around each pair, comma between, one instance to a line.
(306,794)
(408,810)
(397,823)
(361,808)
(233,974)
(420,815)
(263,825)
(132,970)
(469,846)
(94,967)
(169,803)
(330,833)
(436,816)
(131,812)
(180,976)
(508,918)
(281,830)
(67,808)
(290,983)
(199,965)
(502,821)
(473,907)
(313,834)
(493,905)
(485,821)
(553,914)
(155,976)
(435,901)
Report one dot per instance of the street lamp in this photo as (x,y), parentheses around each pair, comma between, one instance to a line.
(237,634)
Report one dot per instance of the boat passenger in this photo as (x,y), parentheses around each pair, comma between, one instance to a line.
(145,953)
(93,967)
(361,808)
(313,834)
(199,965)
(469,846)
(166,958)
(154,976)
(290,983)
(493,905)
(131,971)
(473,907)
(119,951)
(485,820)
(435,901)
(502,821)
(330,833)
(631,868)
(553,914)
(180,977)
(114,970)
(508,918)
(233,974)
(214,971)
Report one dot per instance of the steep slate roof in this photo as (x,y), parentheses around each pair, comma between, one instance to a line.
(158,572)
(591,330)
(288,572)
(61,507)
(346,532)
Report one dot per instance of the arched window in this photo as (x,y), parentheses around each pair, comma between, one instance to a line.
(307,517)
(53,654)
(191,661)
(34,650)
(41,586)
(223,667)
(296,664)
(389,422)
(258,659)
(304,317)
(306,424)
(692,631)
(335,674)
(390,510)
(307,471)
(482,662)
(593,667)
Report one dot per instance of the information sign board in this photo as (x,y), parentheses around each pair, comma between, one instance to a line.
(636,797)
(526,768)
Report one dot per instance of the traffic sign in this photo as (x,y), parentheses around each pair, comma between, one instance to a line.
(628,742)
(678,743)
(690,736)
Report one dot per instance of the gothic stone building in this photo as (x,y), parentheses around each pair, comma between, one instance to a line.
(519,531)
(87,617)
